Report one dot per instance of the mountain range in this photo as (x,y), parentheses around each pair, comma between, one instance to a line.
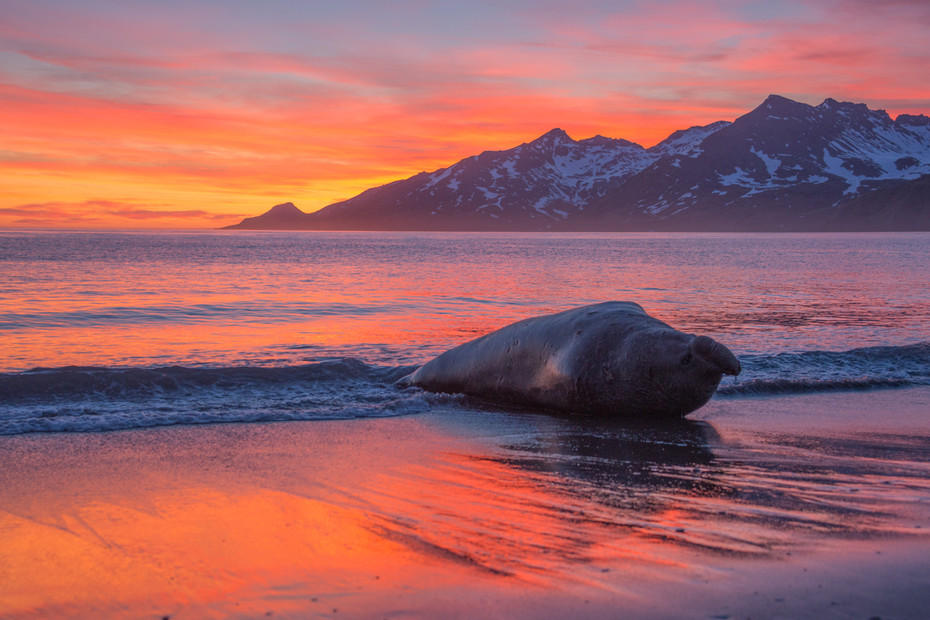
(784,166)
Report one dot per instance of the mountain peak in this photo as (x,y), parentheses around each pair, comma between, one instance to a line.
(284,215)
(686,140)
(856,110)
(914,120)
(554,135)
(605,142)
(832,104)
(778,100)
(776,104)
(284,209)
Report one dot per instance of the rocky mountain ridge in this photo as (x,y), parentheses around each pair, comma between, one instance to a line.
(783,166)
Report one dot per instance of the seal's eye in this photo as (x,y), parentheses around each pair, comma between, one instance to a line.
(686,359)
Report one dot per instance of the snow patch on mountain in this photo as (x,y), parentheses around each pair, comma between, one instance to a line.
(835,166)
(509,166)
(687,142)
(772,164)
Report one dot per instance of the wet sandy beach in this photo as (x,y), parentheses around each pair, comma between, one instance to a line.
(800,506)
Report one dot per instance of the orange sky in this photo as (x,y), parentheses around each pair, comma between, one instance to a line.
(195,114)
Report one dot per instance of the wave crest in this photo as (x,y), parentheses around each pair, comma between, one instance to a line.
(75,399)
(820,371)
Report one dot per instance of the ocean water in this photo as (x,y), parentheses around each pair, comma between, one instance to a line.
(114,330)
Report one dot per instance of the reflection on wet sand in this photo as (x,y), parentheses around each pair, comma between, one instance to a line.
(577,499)
(402,515)
(543,503)
(594,493)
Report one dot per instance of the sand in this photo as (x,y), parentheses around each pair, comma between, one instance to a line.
(809,506)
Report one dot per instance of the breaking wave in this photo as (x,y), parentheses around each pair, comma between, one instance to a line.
(85,399)
(75,399)
(824,371)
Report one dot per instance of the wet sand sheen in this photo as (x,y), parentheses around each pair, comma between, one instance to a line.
(794,506)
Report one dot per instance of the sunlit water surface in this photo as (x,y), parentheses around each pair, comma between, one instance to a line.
(143,329)
(222,299)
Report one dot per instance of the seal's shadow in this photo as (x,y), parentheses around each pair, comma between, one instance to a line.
(586,484)
(620,461)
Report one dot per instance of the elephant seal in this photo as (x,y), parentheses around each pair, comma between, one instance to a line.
(608,359)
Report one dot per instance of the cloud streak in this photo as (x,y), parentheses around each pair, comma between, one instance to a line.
(109,213)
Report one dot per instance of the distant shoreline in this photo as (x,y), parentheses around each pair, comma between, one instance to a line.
(446,231)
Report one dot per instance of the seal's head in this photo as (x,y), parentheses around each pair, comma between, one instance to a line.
(667,373)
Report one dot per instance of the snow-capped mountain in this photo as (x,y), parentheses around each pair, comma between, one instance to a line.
(783,166)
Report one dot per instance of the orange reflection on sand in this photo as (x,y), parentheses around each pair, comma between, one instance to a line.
(300,518)
(506,520)
(408,515)
(199,549)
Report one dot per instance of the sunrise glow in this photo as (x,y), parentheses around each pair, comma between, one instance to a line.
(136,115)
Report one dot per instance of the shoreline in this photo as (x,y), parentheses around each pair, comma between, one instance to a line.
(777,506)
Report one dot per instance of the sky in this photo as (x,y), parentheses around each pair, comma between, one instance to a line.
(195,114)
